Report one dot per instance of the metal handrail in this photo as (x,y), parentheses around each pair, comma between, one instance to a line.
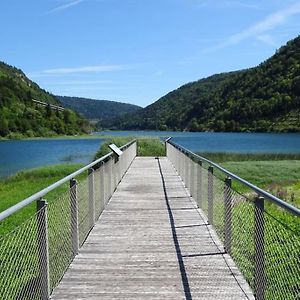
(260,191)
(40,194)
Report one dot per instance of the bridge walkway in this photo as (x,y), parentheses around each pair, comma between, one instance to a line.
(152,242)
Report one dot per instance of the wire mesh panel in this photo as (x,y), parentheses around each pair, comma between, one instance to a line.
(19,262)
(218,206)
(97,193)
(282,254)
(60,229)
(204,190)
(242,238)
(83,210)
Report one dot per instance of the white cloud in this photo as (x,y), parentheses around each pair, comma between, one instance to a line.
(257,30)
(267,39)
(86,69)
(65,6)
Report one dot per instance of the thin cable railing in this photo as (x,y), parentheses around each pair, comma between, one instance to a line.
(36,254)
(258,230)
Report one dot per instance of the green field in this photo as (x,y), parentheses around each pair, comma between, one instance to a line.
(279,174)
(24,184)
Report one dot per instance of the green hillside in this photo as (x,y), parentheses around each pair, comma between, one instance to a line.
(264,98)
(21,117)
(97,109)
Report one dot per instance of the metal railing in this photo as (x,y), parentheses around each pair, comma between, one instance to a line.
(258,230)
(36,254)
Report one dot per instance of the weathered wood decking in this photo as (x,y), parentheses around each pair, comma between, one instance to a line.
(152,242)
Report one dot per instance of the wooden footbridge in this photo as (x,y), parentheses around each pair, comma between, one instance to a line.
(151,242)
(136,229)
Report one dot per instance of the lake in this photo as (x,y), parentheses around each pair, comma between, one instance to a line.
(26,154)
(225,142)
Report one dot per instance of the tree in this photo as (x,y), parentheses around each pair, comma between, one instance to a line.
(4,130)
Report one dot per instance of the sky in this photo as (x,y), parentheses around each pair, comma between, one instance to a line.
(136,51)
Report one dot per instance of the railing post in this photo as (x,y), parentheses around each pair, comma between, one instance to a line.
(227,214)
(102,186)
(111,176)
(185,171)
(192,177)
(43,248)
(199,184)
(259,271)
(119,170)
(210,195)
(109,179)
(74,216)
(91,197)
(181,164)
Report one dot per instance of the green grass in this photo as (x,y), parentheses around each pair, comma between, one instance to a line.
(279,174)
(24,184)
(281,178)
(146,146)
(219,157)
(118,141)
(150,147)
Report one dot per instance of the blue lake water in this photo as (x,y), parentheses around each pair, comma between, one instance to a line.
(225,142)
(21,155)
(28,154)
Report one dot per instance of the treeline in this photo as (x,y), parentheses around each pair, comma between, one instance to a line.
(97,109)
(264,98)
(20,117)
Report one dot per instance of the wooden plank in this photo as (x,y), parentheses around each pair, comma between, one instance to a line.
(152,242)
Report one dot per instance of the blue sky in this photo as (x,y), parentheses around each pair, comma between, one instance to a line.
(136,51)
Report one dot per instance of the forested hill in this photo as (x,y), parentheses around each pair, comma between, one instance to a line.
(21,117)
(97,109)
(264,98)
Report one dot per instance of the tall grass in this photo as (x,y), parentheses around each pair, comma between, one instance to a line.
(226,157)
(26,183)
(146,146)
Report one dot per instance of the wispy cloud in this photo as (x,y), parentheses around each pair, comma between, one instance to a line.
(86,69)
(65,6)
(267,39)
(259,29)
(225,3)
(81,82)
(159,73)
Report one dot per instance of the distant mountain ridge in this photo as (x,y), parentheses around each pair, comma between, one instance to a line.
(263,98)
(97,109)
(22,117)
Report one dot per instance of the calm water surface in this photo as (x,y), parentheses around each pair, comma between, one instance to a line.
(226,142)
(20,155)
